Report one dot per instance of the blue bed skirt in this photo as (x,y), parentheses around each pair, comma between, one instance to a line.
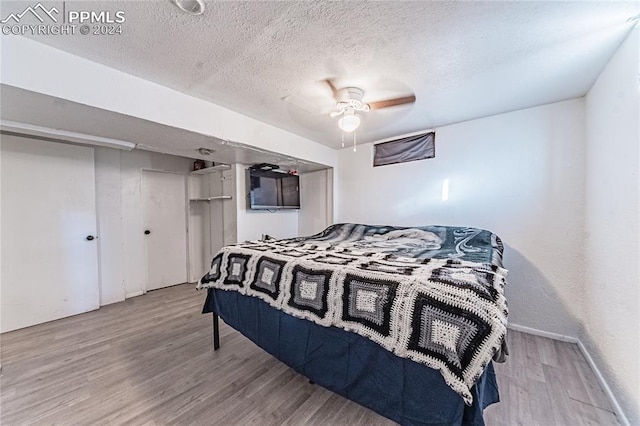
(354,366)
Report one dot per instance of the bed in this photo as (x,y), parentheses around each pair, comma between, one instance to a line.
(405,321)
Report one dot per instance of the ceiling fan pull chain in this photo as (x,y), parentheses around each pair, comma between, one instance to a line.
(354,141)
(342,133)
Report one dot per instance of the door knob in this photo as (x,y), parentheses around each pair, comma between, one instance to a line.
(89,237)
(147,232)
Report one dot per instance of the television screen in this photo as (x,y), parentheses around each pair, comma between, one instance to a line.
(269,190)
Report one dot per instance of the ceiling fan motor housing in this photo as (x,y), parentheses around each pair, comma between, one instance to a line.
(351,97)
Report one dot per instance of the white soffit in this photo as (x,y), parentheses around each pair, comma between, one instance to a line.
(42,116)
(463,60)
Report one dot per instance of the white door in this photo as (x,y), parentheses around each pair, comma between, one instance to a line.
(49,267)
(165,218)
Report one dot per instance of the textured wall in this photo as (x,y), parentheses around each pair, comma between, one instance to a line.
(519,175)
(612,280)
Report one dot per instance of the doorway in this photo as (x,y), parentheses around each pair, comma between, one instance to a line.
(164,198)
(49,247)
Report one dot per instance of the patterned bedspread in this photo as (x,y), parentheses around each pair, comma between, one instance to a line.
(432,294)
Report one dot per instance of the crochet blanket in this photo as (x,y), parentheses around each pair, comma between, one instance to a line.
(432,294)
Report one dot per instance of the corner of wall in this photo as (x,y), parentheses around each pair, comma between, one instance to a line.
(612,249)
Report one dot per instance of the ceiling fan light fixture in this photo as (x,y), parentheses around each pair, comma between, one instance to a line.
(192,7)
(349,122)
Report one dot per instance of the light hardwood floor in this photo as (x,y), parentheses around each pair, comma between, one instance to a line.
(149,360)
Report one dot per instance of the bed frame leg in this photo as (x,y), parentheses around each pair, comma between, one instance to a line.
(216,333)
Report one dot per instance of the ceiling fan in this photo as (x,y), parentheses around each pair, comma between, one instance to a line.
(349,103)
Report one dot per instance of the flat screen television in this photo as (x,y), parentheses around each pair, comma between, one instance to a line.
(269,190)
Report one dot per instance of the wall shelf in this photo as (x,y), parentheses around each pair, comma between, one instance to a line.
(217,197)
(212,215)
(218,168)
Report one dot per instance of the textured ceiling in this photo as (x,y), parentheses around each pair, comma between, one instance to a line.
(463,60)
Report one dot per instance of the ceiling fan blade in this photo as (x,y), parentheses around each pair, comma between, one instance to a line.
(333,88)
(392,102)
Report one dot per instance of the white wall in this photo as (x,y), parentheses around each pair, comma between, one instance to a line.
(120,221)
(110,235)
(120,243)
(0,248)
(120,217)
(612,279)
(33,66)
(517,174)
(316,202)
(253,223)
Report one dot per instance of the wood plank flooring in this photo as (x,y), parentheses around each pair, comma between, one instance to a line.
(149,360)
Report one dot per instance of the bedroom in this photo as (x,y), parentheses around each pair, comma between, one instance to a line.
(536,125)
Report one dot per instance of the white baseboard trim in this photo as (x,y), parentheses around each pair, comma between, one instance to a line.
(134,294)
(541,333)
(622,418)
